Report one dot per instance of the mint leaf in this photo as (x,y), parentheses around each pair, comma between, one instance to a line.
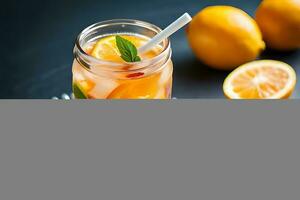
(78,93)
(127,50)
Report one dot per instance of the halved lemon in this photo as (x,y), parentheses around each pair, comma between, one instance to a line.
(263,79)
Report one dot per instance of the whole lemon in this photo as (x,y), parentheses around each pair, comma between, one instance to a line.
(224,37)
(279,21)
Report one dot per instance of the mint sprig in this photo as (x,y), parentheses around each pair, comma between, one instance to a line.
(127,50)
(78,93)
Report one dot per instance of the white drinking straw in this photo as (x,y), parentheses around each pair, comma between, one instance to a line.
(172,28)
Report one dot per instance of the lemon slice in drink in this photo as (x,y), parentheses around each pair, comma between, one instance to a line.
(264,79)
(106,48)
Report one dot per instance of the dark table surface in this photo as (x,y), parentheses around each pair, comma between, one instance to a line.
(38,38)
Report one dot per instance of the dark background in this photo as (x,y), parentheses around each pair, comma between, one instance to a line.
(38,38)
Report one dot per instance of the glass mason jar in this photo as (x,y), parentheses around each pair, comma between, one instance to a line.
(94,78)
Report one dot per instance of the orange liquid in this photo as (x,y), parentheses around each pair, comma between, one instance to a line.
(135,85)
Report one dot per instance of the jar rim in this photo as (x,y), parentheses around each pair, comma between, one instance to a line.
(118,66)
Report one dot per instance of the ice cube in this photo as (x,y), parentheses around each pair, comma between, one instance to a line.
(166,73)
(161,94)
(77,72)
(103,88)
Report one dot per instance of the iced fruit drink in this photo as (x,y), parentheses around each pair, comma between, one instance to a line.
(100,72)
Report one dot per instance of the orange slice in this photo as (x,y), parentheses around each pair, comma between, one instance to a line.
(143,88)
(264,79)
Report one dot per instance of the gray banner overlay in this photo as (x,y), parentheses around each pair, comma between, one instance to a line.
(150,150)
